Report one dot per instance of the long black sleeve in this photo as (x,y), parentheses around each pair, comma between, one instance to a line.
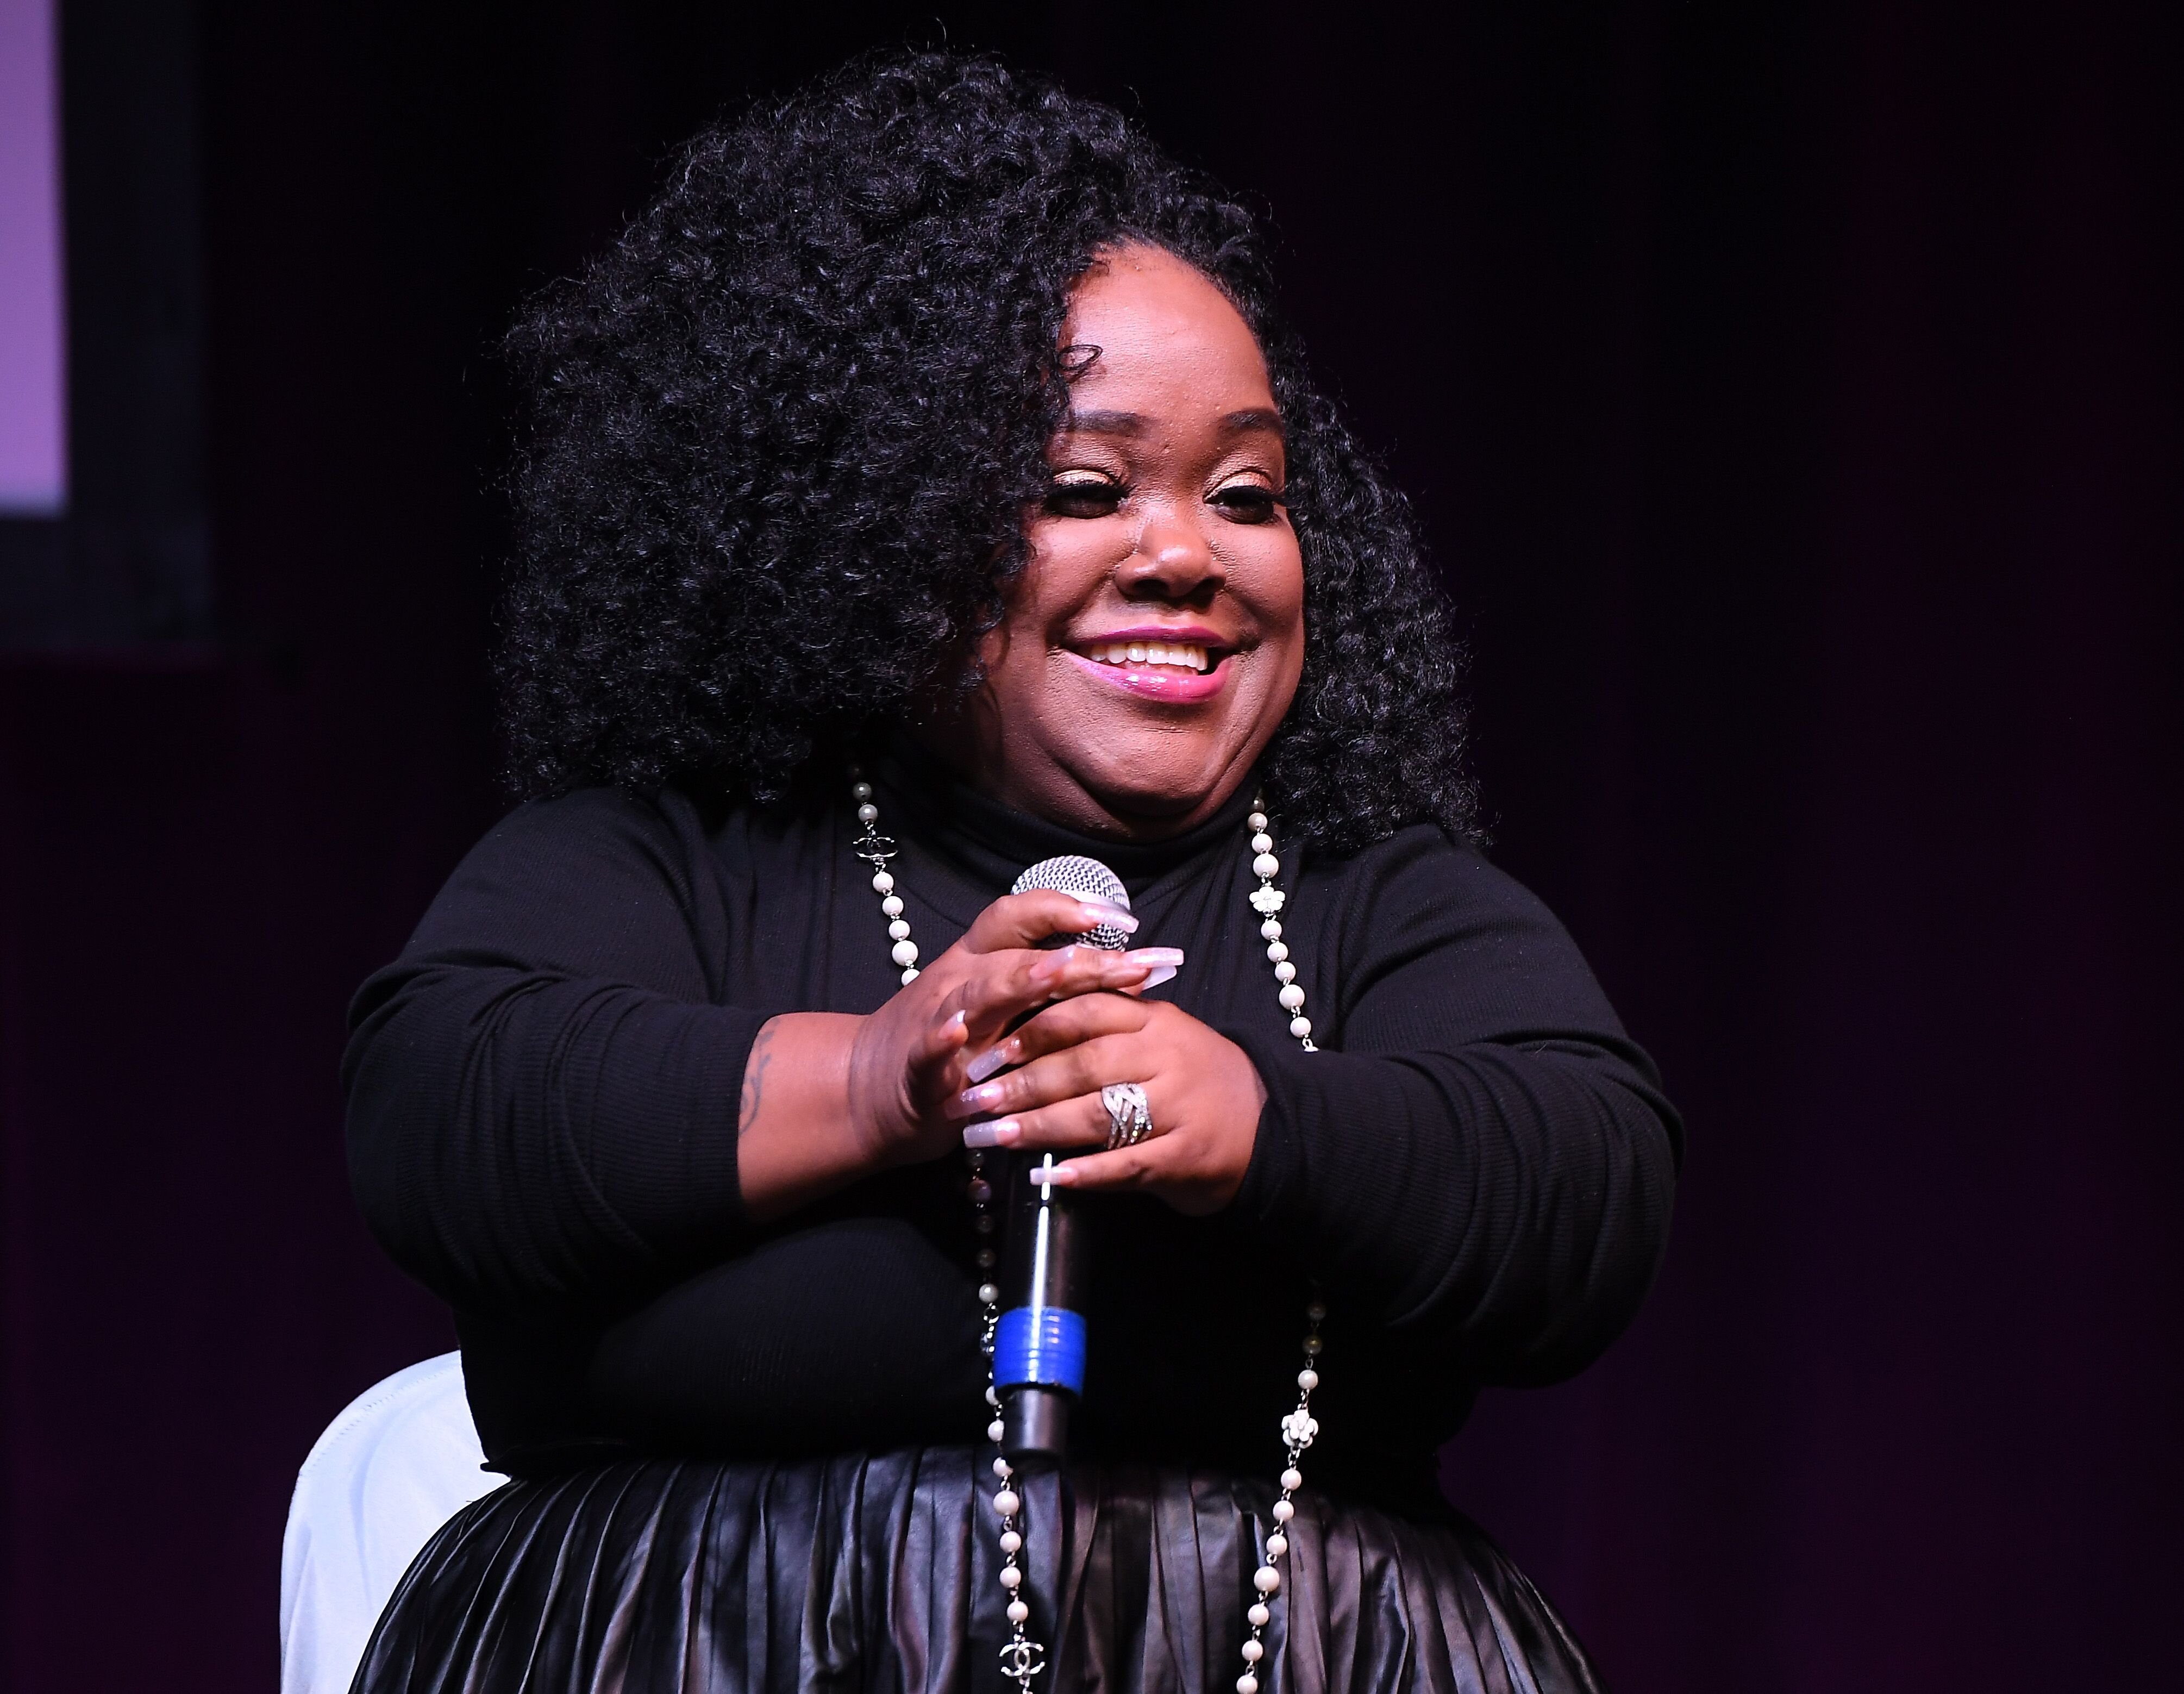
(1477,1168)
(1488,1164)
(542,1095)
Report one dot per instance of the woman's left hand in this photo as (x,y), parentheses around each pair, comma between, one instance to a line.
(1204,1093)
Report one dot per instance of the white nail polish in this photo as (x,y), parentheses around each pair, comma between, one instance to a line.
(985,1065)
(1165,974)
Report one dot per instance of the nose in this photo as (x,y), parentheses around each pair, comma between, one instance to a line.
(1172,562)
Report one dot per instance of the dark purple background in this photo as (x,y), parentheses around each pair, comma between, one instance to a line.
(1793,398)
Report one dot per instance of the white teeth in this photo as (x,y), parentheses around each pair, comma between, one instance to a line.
(1177,654)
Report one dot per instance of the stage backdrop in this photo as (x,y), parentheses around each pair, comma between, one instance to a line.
(1791,394)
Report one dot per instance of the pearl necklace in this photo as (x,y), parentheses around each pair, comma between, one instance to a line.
(1023,1657)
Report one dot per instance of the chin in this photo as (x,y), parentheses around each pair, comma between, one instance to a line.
(1157,787)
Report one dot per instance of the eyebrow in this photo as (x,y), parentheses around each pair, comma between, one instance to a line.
(1252,420)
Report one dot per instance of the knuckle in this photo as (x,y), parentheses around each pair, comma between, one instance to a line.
(1085,1070)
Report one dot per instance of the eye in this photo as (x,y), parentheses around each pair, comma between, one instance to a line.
(1084,497)
(1247,502)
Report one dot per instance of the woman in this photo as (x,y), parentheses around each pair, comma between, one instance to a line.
(922,489)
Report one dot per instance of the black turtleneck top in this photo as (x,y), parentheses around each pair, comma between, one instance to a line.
(1476,1170)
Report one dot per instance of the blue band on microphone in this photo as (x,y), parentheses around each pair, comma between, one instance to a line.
(1046,1346)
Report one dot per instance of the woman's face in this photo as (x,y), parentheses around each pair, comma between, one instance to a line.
(1152,643)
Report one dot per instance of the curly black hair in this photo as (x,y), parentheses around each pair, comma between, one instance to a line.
(783,435)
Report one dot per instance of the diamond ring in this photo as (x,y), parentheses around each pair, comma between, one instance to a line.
(1129,1117)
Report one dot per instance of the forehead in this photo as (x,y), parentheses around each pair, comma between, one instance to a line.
(1165,332)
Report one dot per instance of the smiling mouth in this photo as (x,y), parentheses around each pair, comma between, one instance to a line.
(1176,656)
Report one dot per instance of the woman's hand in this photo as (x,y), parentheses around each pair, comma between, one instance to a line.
(828,1098)
(1203,1090)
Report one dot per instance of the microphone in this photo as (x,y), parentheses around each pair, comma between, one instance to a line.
(1039,1344)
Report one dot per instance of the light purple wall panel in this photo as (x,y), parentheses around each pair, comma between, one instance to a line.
(33,406)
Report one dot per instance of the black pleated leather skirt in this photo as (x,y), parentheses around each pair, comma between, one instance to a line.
(876,1573)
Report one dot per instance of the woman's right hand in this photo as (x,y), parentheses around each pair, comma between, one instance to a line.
(828,1098)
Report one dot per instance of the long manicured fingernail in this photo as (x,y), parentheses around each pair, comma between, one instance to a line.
(1165,974)
(996,1135)
(983,1098)
(992,1059)
(1170,956)
(1092,913)
(1065,1176)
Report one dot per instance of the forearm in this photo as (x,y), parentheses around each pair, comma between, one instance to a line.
(1508,1205)
(514,1136)
(795,1135)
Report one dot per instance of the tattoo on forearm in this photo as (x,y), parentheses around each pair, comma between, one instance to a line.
(761,1056)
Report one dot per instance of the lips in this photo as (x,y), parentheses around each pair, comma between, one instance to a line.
(1176,664)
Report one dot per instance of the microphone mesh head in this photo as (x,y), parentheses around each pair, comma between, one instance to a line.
(1072,874)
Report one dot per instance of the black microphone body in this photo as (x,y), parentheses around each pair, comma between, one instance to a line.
(1044,1267)
(1039,1343)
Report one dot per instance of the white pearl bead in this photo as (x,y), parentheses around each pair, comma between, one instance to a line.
(1252,1653)
(986,1262)
(1267,1579)
(1247,1684)
(1317,1310)
(1260,1617)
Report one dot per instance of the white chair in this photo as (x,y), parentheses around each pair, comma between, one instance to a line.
(401,1460)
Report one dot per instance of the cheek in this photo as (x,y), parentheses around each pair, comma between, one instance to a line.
(1069,562)
(1281,603)
(1039,600)
(1015,640)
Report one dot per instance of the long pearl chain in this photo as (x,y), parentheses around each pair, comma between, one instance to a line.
(1023,1657)
(1267,902)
